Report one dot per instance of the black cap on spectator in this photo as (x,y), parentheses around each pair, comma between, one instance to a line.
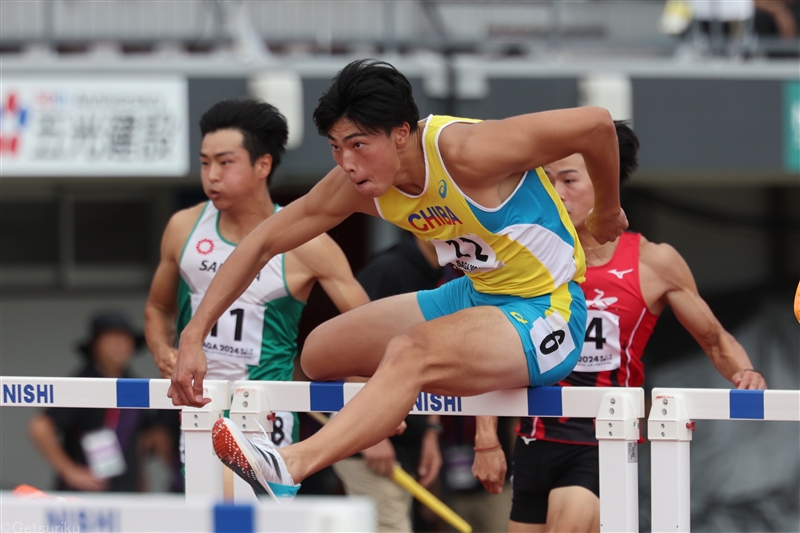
(107,321)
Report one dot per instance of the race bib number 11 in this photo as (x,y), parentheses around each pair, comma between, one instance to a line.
(237,335)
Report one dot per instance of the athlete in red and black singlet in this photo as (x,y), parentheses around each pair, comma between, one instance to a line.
(617,329)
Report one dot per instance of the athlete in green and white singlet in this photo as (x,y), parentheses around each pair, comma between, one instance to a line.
(256,338)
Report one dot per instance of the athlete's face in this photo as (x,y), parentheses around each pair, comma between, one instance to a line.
(371,160)
(228,176)
(571,181)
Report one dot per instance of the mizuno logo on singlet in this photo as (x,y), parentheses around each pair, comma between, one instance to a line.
(620,273)
(431,217)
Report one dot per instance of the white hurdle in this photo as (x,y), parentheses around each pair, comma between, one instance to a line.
(203,470)
(167,512)
(616,409)
(669,429)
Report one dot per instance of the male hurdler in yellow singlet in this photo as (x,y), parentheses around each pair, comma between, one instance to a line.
(522,257)
(515,320)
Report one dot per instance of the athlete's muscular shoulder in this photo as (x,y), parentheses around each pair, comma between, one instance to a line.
(661,270)
(460,161)
(491,151)
(178,229)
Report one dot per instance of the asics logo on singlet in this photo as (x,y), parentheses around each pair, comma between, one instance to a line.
(442,188)
(620,273)
(518,317)
(430,217)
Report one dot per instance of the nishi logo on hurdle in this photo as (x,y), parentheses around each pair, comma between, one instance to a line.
(617,412)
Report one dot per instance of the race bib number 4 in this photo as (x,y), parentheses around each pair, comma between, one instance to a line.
(237,335)
(469,253)
(601,349)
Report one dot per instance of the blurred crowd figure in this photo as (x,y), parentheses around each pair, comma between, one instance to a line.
(716,27)
(105,449)
(780,18)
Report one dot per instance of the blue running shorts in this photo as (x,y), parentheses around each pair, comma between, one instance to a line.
(551,327)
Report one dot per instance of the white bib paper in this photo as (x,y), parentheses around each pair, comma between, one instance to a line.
(601,349)
(103,453)
(469,253)
(553,341)
(237,335)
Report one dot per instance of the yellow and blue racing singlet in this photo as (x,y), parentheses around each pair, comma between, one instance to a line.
(526,247)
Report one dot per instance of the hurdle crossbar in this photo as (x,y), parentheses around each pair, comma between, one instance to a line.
(576,402)
(734,404)
(669,429)
(108,393)
(166,512)
(103,393)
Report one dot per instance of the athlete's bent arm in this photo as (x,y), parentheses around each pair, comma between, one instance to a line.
(160,311)
(499,148)
(330,268)
(331,201)
(489,466)
(430,455)
(693,313)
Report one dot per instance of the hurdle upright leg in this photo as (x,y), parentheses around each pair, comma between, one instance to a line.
(669,430)
(617,432)
(203,469)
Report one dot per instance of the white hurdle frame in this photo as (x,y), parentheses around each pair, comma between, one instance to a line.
(157,513)
(203,471)
(616,410)
(669,429)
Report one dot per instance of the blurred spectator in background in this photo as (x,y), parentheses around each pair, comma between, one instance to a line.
(484,511)
(409,266)
(778,18)
(100,449)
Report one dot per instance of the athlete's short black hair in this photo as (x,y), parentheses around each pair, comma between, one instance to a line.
(263,127)
(628,149)
(371,93)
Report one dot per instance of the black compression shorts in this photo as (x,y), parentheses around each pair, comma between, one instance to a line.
(541,466)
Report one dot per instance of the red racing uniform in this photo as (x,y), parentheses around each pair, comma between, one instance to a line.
(618,326)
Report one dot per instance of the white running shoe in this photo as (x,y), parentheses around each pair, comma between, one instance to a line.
(257,462)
